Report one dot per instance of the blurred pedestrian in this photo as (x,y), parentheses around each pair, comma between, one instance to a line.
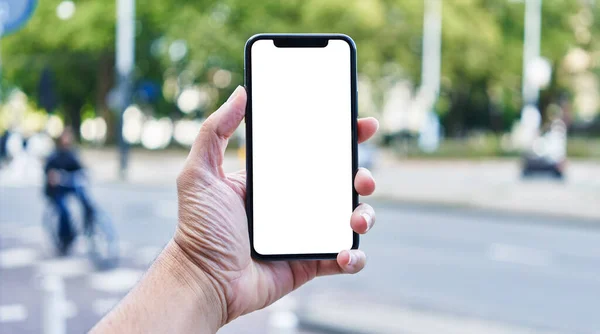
(64,172)
(205,277)
(4,146)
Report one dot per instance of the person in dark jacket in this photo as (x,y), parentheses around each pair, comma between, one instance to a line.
(4,146)
(64,173)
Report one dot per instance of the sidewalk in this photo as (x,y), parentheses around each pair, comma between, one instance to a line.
(486,184)
(491,184)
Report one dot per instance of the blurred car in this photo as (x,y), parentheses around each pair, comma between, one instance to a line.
(548,153)
(535,164)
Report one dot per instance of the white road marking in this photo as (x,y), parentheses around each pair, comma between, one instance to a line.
(80,246)
(17,257)
(519,254)
(66,267)
(117,281)
(7,229)
(13,313)
(124,248)
(101,306)
(34,234)
(69,309)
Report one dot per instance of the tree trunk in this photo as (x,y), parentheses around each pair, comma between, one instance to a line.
(105,81)
(74,117)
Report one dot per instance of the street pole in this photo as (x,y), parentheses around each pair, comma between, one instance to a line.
(53,305)
(431,66)
(125,51)
(531,50)
(432,48)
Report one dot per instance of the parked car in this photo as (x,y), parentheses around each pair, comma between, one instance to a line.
(548,153)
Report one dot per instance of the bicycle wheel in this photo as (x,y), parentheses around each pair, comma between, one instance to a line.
(52,225)
(51,222)
(103,243)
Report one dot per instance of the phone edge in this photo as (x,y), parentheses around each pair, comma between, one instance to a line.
(248,122)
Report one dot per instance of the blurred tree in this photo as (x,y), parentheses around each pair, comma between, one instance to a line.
(80,53)
(72,49)
(482,59)
(183,43)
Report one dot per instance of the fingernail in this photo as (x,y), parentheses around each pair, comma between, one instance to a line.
(235,93)
(367,219)
(365,170)
(351,258)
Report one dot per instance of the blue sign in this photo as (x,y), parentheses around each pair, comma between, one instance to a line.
(14,14)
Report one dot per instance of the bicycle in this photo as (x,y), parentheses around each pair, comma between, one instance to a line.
(102,241)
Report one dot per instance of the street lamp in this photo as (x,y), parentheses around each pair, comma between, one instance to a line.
(125,49)
(429,133)
(531,49)
(537,70)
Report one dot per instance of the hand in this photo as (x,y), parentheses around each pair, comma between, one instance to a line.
(212,234)
(53,177)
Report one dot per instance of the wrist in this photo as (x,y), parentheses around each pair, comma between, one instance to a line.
(199,285)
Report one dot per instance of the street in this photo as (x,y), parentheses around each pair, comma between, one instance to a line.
(532,272)
(482,137)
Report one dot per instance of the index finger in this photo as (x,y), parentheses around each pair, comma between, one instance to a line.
(367,128)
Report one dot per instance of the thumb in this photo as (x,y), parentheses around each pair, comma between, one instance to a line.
(210,144)
(229,116)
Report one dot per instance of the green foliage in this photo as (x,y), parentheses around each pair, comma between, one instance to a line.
(490,146)
(481,48)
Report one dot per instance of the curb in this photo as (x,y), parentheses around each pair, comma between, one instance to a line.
(336,317)
(552,219)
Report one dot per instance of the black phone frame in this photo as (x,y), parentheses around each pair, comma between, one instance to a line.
(297,40)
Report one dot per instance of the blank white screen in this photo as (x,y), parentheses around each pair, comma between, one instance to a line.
(302,149)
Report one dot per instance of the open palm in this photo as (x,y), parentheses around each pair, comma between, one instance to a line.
(213,228)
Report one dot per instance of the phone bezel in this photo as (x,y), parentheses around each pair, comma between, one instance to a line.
(297,40)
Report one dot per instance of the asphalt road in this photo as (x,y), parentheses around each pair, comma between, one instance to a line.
(538,273)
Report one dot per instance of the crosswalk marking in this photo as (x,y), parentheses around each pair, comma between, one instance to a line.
(519,254)
(13,313)
(31,235)
(117,280)
(101,306)
(24,263)
(17,257)
(66,267)
(70,309)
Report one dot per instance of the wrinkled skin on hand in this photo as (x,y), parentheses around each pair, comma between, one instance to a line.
(213,229)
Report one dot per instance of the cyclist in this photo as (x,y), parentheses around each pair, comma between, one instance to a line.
(64,171)
(4,146)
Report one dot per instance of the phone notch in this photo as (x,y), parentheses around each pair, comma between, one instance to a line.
(301,42)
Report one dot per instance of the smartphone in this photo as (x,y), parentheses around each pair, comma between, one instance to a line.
(301,145)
